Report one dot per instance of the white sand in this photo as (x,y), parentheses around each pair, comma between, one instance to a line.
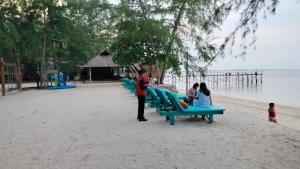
(95,127)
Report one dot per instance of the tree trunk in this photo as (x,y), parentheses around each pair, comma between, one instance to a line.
(12,56)
(43,66)
(162,76)
(187,73)
(150,73)
(2,76)
(175,28)
(16,61)
(157,71)
(43,72)
(18,74)
(154,52)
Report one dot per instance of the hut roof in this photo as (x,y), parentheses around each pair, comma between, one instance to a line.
(103,59)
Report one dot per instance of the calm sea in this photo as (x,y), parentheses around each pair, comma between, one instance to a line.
(278,86)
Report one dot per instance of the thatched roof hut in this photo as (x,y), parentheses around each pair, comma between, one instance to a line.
(101,67)
(103,59)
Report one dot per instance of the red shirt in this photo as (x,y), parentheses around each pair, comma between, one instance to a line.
(139,91)
(272,112)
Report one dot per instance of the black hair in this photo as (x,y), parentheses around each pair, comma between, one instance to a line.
(271,104)
(195,85)
(204,89)
(141,72)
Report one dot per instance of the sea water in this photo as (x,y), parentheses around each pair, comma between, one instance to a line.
(278,86)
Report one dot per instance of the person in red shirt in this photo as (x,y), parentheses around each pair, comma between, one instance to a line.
(272,113)
(141,86)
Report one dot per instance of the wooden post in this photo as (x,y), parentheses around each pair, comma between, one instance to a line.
(255,77)
(18,75)
(2,76)
(243,78)
(90,73)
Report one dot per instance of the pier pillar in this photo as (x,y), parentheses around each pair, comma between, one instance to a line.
(255,77)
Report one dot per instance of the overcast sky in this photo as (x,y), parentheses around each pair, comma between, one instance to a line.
(278,41)
(278,44)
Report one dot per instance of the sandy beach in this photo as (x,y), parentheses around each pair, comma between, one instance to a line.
(94,127)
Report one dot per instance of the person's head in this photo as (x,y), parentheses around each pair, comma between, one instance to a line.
(204,89)
(271,105)
(141,72)
(196,85)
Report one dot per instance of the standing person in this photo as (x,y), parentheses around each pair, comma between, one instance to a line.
(272,113)
(141,86)
(192,92)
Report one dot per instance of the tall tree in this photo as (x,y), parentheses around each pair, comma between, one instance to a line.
(62,32)
(164,33)
(192,22)
(140,38)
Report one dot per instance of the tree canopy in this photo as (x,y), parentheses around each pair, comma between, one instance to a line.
(190,26)
(164,33)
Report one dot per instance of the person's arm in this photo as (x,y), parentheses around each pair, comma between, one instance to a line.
(143,85)
(196,96)
(190,95)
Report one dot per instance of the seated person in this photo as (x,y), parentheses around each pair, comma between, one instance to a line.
(203,96)
(192,92)
(152,82)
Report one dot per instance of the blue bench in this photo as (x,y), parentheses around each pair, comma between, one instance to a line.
(178,110)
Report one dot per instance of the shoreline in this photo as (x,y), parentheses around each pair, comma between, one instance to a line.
(260,101)
(286,115)
(292,108)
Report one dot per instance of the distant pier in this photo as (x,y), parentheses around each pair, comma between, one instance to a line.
(217,79)
(249,78)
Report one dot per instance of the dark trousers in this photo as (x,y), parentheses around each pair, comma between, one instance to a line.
(141,100)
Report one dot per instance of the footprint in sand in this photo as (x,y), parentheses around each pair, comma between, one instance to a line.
(85,158)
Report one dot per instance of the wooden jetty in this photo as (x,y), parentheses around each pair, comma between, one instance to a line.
(249,78)
(218,79)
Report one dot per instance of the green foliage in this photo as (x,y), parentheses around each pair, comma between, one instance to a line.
(166,33)
(70,39)
(191,24)
(137,40)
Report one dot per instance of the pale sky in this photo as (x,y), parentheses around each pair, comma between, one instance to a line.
(278,44)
